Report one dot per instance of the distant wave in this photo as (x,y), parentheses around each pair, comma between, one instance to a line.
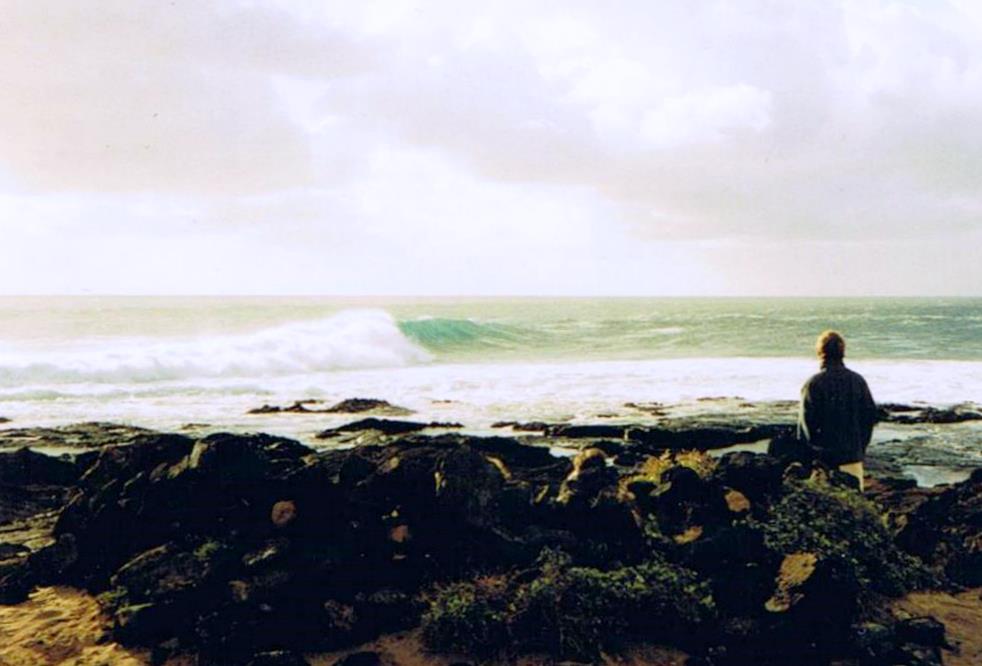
(436,333)
(347,340)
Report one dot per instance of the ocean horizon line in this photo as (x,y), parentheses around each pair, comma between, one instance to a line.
(437,296)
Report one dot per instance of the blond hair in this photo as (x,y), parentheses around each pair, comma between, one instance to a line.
(830,346)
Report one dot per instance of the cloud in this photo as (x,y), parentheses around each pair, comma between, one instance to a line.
(565,147)
(163,96)
(751,121)
(707,115)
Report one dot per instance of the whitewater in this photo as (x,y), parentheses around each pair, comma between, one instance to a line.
(168,362)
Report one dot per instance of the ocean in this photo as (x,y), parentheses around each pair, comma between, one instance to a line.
(164,362)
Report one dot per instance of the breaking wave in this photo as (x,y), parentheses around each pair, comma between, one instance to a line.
(350,339)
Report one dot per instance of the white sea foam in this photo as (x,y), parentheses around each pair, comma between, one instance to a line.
(349,339)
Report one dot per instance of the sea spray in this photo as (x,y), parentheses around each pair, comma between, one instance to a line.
(347,340)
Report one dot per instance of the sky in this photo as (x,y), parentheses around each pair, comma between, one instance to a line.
(828,148)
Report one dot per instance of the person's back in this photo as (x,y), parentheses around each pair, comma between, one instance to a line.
(837,412)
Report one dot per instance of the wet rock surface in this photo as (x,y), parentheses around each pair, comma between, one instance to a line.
(347,406)
(77,436)
(32,483)
(910,414)
(384,427)
(943,526)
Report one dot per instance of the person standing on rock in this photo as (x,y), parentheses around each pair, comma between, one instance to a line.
(837,411)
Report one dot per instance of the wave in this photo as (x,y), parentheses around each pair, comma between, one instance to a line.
(437,333)
(348,340)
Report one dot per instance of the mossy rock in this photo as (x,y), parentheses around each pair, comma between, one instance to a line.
(570,612)
(470,618)
(837,523)
(575,612)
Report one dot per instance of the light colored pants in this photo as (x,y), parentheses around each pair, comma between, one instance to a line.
(856,469)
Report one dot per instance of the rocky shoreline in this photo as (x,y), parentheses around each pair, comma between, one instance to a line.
(255,549)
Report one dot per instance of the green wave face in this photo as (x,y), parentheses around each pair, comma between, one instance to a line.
(444,334)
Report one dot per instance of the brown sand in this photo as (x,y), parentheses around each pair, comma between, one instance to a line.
(59,626)
(962,616)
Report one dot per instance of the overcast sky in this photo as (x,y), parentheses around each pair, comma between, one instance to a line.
(494,147)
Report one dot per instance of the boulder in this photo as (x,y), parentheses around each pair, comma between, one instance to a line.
(357,405)
(78,436)
(147,623)
(922,631)
(25,467)
(756,476)
(910,414)
(385,426)
(22,502)
(873,642)
(945,529)
(16,581)
(468,485)
(348,406)
(169,571)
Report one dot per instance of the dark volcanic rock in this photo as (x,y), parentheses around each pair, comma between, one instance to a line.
(9,551)
(32,483)
(922,631)
(358,405)
(27,535)
(246,540)
(249,547)
(16,582)
(19,576)
(77,436)
(22,502)
(874,642)
(911,414)
(298,407)
(654,439)
(701,438)
(531,426)
(756,476)
(349,406)
(587,431)
(386,426)
(945,529)
(140,496)
(24,467)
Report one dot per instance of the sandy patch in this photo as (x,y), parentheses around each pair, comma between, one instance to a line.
(59,626)
(962,617)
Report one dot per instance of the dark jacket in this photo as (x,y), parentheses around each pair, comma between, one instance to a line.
(837,414)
